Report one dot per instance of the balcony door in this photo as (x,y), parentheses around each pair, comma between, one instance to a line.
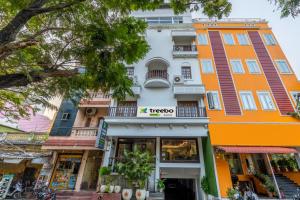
(187,109)
(126,109)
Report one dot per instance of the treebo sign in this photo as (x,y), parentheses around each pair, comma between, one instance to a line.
(147,111)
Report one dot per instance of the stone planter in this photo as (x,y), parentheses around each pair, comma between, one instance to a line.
(117,189)
(140,194)
(126,194)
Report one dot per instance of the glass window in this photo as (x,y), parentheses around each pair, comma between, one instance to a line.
(187,109)
(248,101)
(296,96)
(228,39)
(207,66)
(237,66)
(234,162)
(179,150)
(129,144)
(266,101)
(213,100)
(253,67)
(202,39)
(186,72)
(269,39)
(66,116)
(243,39)
(283,67)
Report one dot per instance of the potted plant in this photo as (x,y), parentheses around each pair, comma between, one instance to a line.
(204,185)
(104,173)
(233,193)
(161,185)
(136,167)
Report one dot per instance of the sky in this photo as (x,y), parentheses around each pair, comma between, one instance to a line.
(286,30)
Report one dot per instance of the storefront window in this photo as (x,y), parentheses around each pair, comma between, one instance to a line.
(66,171)
(178,150)
(234,162)
(136,144)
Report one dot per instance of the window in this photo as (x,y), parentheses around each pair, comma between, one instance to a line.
(207,66)
(202,39)
(283,67)
(130,71)
(234,162)
(248,101)
(130,144)
(269,39)
(66,116)
(237,66)
(253,67)
(187,109)
(213,100)
(296,96)
(266,101)
(179,150)
(163,20)
(228,39)
(243,39)
(186,72)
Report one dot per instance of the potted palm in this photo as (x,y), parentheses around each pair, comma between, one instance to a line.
(136,167)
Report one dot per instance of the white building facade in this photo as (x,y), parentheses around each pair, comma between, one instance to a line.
(167,115)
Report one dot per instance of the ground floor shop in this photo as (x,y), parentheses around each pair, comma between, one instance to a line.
(75,170)
(179,161)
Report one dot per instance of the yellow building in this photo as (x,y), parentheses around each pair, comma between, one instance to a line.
(251,91)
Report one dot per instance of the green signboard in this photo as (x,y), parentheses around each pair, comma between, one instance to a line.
(101,135)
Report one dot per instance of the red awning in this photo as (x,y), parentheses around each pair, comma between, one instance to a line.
(232,149)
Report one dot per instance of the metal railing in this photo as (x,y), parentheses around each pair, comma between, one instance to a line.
(161,74)
(184,48)
(181,111)
(84,131)
(242,20)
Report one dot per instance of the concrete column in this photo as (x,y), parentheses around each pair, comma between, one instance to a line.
(81,170)
(157,162)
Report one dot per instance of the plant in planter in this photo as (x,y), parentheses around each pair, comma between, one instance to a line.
(161,185)
(136,167)
(233,193)
(204,184)
(267,183)
(104,173)
(275,166)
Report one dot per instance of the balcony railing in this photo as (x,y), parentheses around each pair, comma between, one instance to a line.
(122,111)
(184,48)
(84,131)
(181,111)
(157,74)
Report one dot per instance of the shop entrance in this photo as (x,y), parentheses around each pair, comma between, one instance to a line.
(65,172)
(179,189)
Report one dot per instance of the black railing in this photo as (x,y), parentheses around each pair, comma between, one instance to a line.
(181,111)
(161,74)
(122,111)
(183,48)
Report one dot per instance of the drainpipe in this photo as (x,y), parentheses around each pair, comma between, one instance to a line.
(274,178)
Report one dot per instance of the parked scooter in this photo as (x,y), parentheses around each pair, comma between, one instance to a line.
(297,196)
(17,191)
(42,192)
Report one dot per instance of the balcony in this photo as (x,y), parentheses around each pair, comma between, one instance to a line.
(185,51)
(97,99)
(84,131)
(181,111)
(185,90)
(157,79)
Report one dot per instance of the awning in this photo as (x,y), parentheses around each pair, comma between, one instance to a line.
(234,149)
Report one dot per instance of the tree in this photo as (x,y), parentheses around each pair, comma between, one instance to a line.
(288,7)
(45,43)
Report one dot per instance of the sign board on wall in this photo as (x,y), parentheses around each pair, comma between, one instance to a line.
(101,135)
(153,111)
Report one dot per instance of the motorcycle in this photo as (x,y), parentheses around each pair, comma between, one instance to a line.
(17,191)
(42,192)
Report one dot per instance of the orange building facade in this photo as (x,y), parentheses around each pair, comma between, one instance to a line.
(251,90)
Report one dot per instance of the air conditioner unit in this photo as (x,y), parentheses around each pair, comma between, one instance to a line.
(90,111)
(178,79)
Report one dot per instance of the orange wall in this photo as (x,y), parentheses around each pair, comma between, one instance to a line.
(240,135)
(294,176)
(224,176)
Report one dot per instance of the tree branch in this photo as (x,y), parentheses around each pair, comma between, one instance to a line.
(21,79)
